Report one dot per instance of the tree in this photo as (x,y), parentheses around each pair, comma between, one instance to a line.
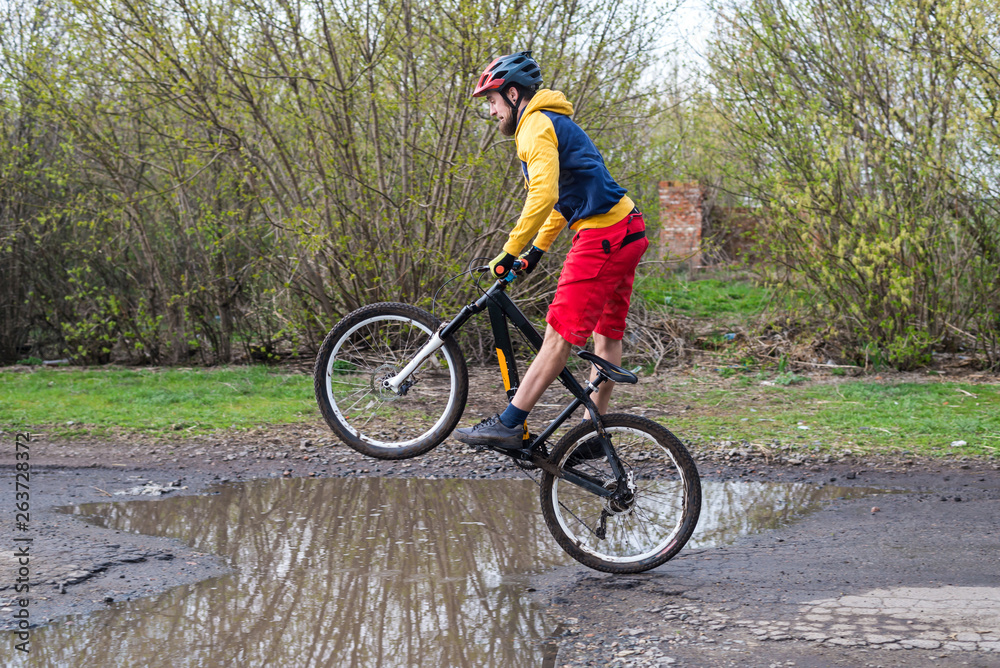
(252,170)
(855,121)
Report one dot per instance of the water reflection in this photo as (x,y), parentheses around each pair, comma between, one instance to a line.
(733,509)
(363,572)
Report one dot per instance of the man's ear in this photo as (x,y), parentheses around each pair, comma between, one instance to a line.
(513,95)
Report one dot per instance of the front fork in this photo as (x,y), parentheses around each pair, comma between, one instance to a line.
(437,340)
(431,347)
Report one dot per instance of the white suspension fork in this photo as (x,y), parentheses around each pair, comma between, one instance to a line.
(429,349)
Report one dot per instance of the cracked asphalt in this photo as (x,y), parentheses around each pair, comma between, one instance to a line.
(910,578)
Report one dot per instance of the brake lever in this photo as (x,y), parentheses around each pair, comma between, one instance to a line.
(515,272)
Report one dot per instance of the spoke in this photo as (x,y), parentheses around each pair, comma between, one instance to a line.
(660,519)
(591,464)
(361,360)
(653,492)
(361,388)
(406,345)
(588,500)
(390,352)
(627,527)
(371,417)
(407,353)
(651,520)
(585,525)
(356,380)
(650,538)
(377,345)
(358,401)
(640,468)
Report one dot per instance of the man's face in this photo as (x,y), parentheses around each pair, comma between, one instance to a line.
(503,112)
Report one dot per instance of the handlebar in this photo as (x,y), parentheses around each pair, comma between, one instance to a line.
(514,270)
(511,275)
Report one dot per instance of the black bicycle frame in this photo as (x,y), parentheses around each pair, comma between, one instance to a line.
(502,309)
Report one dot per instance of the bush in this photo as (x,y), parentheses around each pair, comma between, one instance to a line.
(858,129)
(218,175)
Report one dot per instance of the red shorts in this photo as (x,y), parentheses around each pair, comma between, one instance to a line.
(595,285)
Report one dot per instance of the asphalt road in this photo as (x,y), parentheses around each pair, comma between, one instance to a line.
(904,579)
(915,583)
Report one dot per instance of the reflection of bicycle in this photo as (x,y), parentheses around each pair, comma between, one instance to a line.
(620,493)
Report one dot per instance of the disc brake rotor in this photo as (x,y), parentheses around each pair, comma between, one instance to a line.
(622,503)
(379,375)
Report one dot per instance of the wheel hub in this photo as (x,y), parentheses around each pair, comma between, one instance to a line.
(381,376)
(623,499)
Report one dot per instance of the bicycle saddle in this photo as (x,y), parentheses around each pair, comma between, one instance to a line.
(612,371)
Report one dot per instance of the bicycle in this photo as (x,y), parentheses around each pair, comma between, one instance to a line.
(619,492)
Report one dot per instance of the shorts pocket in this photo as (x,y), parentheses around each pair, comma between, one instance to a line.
(591,250)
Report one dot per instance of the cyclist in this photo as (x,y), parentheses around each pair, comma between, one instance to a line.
(568,185)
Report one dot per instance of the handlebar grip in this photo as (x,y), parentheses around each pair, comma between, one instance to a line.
(517,266)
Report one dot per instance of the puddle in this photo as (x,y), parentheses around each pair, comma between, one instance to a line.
(363,572)
(733,509)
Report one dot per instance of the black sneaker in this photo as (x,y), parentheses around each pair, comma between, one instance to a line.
(494,433)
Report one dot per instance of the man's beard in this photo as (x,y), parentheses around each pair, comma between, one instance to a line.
(508,126)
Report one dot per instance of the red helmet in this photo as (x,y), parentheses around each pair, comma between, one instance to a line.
(505,71)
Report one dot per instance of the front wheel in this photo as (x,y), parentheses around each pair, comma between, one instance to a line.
(640,528)
(373,344)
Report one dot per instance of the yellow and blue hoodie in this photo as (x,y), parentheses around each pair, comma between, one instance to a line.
(567,181)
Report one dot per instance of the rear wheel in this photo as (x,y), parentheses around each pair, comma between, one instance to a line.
(373,344)
(648,521)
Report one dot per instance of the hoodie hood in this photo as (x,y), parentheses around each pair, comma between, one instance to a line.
(547,100)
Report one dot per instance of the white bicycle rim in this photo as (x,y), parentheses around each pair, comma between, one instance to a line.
(583,543)
(336,409)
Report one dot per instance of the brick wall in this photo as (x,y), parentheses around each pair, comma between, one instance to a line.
(681,221)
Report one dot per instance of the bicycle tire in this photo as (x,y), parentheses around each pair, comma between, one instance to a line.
(375,342)
(660,519)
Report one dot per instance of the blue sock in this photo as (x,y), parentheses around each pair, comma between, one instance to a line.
(513,416)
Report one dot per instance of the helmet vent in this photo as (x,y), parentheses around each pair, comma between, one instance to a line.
(518,69)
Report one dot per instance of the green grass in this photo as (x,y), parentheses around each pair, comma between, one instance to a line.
(155,402)
(862,416)
(705,298)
